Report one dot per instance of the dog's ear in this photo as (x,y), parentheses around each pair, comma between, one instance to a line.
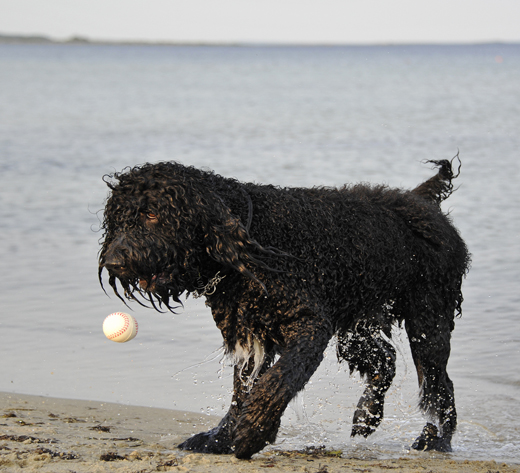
(229,243)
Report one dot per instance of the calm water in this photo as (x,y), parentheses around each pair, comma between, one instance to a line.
(289,116)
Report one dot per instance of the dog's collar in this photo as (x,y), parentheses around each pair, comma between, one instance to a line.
(209,288)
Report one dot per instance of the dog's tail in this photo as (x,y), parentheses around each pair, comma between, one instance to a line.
(439,187)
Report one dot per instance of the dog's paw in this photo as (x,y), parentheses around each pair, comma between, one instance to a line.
(248,444)
(430,440)
(362,429)
(365,423)
(249,438)
(213,441)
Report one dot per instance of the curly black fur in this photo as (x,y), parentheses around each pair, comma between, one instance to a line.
(284,270)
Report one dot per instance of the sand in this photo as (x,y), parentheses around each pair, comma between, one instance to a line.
(59,435)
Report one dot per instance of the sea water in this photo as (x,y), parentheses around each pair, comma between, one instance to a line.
(291,116)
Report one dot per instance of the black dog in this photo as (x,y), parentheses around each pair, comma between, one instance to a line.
(284,270)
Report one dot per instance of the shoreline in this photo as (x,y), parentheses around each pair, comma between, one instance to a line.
(42,434)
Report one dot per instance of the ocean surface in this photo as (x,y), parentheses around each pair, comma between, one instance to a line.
(292,116)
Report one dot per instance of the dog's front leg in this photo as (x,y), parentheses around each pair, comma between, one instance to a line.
(260,416)
(219,440)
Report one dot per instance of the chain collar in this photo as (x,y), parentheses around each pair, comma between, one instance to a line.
(209,288)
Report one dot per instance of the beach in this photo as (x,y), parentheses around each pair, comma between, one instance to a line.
(44,434)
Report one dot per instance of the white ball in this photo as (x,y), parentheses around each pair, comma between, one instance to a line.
(120,327)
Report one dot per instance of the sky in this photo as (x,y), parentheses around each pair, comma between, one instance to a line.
(267,21)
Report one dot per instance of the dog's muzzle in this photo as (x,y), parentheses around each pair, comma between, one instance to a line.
(115,258)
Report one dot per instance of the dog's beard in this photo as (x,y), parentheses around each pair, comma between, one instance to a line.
(163,287)
(156,287)
(159,290)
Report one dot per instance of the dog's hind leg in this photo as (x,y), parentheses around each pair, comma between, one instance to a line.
(367,350)
(305,340)
(430,346)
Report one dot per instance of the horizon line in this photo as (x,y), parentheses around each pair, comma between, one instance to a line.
(78,39)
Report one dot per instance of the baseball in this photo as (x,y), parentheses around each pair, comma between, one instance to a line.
(120,327)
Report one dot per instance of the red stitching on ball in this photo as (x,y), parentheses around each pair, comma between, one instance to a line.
(125,326)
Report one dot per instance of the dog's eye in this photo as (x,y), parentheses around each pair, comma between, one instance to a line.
(149,217)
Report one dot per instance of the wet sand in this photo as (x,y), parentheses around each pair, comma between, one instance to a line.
(39,434)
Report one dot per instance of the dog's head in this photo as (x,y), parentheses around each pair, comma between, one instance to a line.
(166,231)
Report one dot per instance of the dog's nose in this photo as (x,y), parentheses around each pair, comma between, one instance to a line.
(114,263)
(115,259)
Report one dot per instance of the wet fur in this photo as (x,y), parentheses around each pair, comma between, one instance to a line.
(298,266)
